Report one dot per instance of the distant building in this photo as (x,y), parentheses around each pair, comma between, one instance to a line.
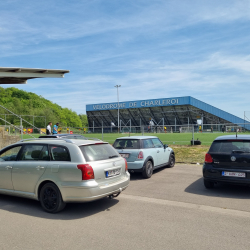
(177,111)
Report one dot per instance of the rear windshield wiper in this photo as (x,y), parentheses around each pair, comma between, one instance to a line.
(113,156)
(238,151)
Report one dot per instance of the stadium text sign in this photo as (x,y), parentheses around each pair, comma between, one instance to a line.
(135,104)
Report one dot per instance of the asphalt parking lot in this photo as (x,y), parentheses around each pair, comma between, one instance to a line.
(171,210)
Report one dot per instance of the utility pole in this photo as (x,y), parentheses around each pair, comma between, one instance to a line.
(118,124)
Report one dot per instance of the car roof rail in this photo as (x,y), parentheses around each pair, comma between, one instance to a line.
(53,139)
(92,138)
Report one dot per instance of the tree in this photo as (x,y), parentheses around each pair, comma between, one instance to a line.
(27,103)
(84,120)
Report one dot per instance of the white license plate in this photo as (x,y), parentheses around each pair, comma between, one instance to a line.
(113,172)
(233,174)
(125,155)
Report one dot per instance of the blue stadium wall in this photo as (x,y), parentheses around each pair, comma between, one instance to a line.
(187,101)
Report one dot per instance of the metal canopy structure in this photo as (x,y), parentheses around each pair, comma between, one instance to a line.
(21,75)
(178,111)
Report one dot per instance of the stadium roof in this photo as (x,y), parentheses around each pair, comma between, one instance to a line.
(179,110)
(21,75)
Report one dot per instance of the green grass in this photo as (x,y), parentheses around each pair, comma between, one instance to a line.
(168,138)
(25,136)
(180,142)
(190,154)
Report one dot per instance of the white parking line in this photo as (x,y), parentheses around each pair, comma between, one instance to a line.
(224,211)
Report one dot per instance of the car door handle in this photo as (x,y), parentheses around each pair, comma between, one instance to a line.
(8,167)
(158,151)
(39,167)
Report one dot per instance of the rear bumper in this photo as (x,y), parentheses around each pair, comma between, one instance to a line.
(93,191)
(137,166)
(215,175)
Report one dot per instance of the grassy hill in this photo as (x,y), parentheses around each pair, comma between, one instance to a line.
(27,103)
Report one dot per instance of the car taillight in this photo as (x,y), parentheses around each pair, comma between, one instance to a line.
(126,164)
(87,171)
(140,155)
(208,158)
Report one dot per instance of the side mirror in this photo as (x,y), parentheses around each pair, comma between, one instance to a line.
(165,146)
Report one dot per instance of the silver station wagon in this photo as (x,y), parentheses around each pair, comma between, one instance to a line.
(144,153)
(58,171)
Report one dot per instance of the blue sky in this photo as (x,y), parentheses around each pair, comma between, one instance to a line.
(153,48)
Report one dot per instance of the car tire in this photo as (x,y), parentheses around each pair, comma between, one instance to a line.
(51,199)
(148,170)
(208,184)
(171,161)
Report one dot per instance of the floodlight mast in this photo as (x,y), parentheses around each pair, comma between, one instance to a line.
(118,125)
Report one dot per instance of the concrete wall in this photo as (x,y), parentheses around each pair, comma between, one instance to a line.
(6,139)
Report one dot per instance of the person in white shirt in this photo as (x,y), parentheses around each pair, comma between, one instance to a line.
(48,129)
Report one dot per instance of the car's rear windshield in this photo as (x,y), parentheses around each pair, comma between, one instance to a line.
(48,136)
(127,143)
(98,152)
(230,146)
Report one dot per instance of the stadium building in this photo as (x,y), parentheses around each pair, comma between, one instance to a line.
(171,113)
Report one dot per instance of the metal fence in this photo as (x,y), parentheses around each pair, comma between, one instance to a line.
(167,133)
(23,122)
(186,128)
(205,128)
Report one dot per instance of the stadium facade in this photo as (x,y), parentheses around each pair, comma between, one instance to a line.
(176,111)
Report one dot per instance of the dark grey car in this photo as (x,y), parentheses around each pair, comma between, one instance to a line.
(228,160)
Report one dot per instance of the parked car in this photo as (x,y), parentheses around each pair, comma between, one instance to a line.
(59,171)
(144,153)
(228,160)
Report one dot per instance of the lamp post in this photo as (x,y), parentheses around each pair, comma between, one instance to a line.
(117,86)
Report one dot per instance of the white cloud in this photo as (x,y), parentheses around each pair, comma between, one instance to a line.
(153,49)
(85,20)
(202,80)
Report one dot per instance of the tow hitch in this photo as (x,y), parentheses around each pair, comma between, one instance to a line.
(112,196)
